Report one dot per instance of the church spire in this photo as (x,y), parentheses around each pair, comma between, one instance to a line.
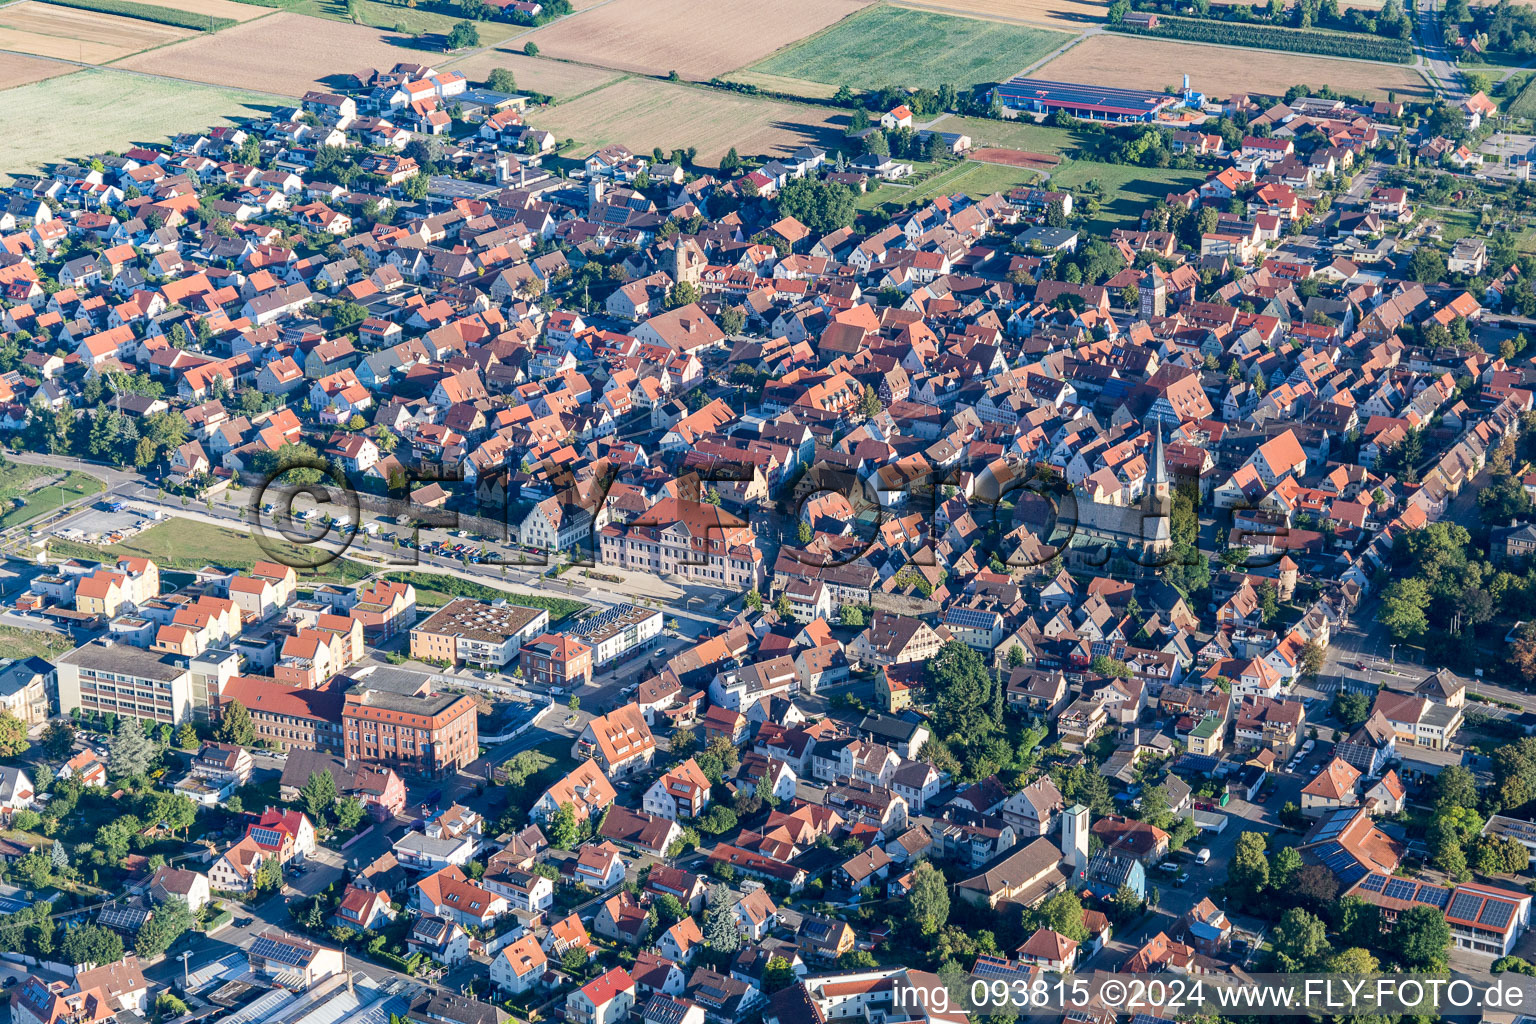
(1159,463)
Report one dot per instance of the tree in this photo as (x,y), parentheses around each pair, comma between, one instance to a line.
(1351,708)
(1455,786)
(91,945)
(1313,658)
(531,49)
(58,738)
(348,813)
(1110,668)
(822,206)
(235,724)
(1427,265)
(186,737)
(1287,862)
(318,794)
(852,616)
(36,869)
(720,933)
(779,974)
(1404,608)
(928,901)
(1063,913)
(501,80)
(1248,871)
(464,35)
(683,293)
(1421,939)
(1154,808)
(718,820)
(269,877)
(563,833)
(130,752)
(176,810)
(869,402)
(164,927)
(115,836)
(13,735)
(1300,940)
(58,858)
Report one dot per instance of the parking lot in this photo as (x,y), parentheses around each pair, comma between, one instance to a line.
(96,521)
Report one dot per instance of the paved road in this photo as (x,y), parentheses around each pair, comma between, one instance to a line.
(1438,61)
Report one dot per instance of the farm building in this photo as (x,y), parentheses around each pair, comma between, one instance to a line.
(1089,102)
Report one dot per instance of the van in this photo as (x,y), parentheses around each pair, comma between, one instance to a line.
(1203,856)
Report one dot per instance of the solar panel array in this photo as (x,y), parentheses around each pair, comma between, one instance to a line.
(1332,826)
(602,619)
(1496,914)
(280,952)
(1375,883)
(1400,889)
(1434,895)
(971,618)
(1465,906)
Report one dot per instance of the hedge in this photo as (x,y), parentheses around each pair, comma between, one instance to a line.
(148,12)
(558,607)
(1270,37)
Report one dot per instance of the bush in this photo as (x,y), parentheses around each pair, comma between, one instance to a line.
(1269,37)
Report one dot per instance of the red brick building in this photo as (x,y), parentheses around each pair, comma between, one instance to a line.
(556,660)
(435,733)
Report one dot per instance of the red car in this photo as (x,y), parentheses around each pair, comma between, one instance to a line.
(1360,665)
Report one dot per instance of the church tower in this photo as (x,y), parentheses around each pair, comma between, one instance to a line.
(1153,292)
(1074,837)
(1159,482)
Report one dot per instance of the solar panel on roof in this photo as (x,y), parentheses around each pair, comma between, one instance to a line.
(1352,874)
(1374,883)
(281,952)
(1399,889)
(1496,913)
(1433,895)
(1465,906)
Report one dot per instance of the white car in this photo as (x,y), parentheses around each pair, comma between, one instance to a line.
(1203,856)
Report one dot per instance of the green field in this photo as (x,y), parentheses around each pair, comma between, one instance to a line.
(971,177)
(30,643)
(190,544)
(411,21)
(909,48)
(1128,189)
(98,109)
(1524,103)
(42,488)
(434,589)
(1030,137)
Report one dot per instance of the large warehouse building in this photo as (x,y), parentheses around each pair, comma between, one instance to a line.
(1088,102)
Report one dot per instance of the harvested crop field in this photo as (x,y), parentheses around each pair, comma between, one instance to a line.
(642,114)
(1138,63)
(18,70)
(904,47)
(314,53)
(1078,14)
(86,36)
(59,119)
(695,38)
(556,78)
(1015,158)
(212,8)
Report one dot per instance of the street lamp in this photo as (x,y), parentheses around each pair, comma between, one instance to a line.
(186,976)
(1393,648)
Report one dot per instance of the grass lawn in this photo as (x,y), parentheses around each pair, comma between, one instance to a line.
(47,498)
(66,117)
(191,544)
(425,19)
(1025,135)
(971,177)
(917,49)
(1128,190)
(29,643)
(434,589)
(1456,223)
